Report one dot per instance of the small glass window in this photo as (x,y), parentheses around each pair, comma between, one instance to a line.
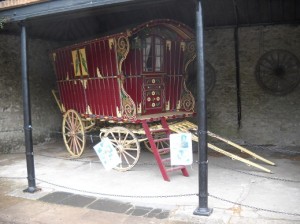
(153,54)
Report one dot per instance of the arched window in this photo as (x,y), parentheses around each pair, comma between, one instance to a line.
(153,54)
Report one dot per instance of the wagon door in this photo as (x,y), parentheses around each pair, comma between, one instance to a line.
(153,89)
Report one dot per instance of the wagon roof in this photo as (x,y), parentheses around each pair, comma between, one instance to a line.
(184,31)
(181,29)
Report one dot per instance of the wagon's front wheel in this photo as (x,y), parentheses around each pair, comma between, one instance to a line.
(73,133)
(127,146)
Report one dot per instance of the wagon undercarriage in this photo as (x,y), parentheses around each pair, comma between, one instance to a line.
(126,139)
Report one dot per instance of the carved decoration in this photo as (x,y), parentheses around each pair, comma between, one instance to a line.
(122,50)
(187,101)
(189,54)
(128,109)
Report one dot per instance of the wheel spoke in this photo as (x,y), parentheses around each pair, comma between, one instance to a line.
(119,136)
(113,136)
(131,149)
(68,129)
(72,121)
(125,157)
(125,137)
(127,153)
(71,144)
(77,137)
(77,144)
(76,147)
(68,122)
(129,142)
(69,139)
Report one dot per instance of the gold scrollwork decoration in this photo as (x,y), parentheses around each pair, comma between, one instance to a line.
(122,50)
(128,108)
(190,54)
(187,100)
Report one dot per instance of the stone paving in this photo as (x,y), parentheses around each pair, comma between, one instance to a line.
(104,204)
(72,190)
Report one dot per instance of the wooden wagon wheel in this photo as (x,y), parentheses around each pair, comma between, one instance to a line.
(73,133)
(127,146)
(278,72)
(210,77)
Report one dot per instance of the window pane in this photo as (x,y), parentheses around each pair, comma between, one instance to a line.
(147,54)
(158,55)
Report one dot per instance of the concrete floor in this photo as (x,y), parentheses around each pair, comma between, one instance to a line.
(238,193)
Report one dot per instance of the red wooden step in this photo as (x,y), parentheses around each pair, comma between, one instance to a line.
(161,140)
(164,150)
(166,160)
(182,168)
(160,130)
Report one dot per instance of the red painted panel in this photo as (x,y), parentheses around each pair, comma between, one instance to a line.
(133,86)
(173,90)
(90,60)
(127,64)
(103,96)
(132,65)
(113,60)
(103,58)
(98,59)
(72,95)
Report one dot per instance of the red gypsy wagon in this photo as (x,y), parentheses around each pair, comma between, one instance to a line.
(135,77)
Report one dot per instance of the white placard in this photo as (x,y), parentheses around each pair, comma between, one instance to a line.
(181,149)
(107,154)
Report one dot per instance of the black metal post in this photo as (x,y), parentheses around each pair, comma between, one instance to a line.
(237,68)
(237,65)
(27,115)
(203,209)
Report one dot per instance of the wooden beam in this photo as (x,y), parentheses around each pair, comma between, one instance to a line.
(34,11)
(8,4)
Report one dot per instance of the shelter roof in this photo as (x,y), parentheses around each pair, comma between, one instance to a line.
(71,20)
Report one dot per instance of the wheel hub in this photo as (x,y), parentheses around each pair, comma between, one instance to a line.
(121,148)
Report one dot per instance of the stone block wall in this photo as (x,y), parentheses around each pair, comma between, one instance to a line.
(46,117)
(266,119)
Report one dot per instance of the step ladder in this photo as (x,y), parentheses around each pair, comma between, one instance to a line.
(154,140)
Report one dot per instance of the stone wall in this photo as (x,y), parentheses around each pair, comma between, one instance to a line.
(46,117)
(266,118)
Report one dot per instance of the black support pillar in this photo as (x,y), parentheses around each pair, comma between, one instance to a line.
(237,65)
(237,70)
(27,115)
(202,209)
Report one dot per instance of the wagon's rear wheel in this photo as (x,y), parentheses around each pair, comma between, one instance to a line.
(127,146)
(159,145)
(73,133)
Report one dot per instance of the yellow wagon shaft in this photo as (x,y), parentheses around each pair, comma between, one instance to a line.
(186,126)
